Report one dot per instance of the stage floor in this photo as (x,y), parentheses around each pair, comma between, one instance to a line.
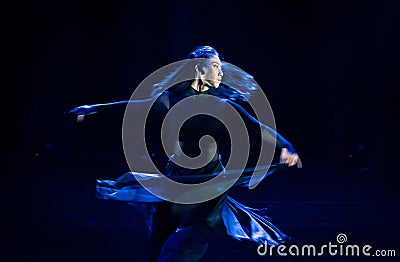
(51,214)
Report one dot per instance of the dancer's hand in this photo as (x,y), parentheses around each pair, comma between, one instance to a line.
(82,111)
(290,158)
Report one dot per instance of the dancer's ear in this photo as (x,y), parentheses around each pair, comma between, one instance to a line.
(199,69)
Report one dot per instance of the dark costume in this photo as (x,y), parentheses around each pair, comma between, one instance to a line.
(182,231)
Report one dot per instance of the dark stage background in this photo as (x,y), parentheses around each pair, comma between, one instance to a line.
(328,68)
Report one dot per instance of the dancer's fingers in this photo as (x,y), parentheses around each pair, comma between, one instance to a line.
(299,163)
(80,118)
(293,160)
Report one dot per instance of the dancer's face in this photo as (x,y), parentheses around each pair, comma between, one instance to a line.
(211,73)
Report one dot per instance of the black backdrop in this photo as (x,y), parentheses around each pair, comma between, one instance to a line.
(327,67)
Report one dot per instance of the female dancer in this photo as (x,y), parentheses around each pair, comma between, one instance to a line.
(180,230)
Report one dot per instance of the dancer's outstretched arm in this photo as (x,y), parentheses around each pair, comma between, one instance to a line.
(288,154)
(84,110)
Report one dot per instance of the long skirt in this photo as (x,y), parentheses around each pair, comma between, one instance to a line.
(180,232)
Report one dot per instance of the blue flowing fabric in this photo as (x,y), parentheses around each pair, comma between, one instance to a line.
(241,222)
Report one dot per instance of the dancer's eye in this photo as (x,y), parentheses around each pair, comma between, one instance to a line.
(217,66)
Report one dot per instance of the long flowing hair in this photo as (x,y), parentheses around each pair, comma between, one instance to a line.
(235,82)
(238,81)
